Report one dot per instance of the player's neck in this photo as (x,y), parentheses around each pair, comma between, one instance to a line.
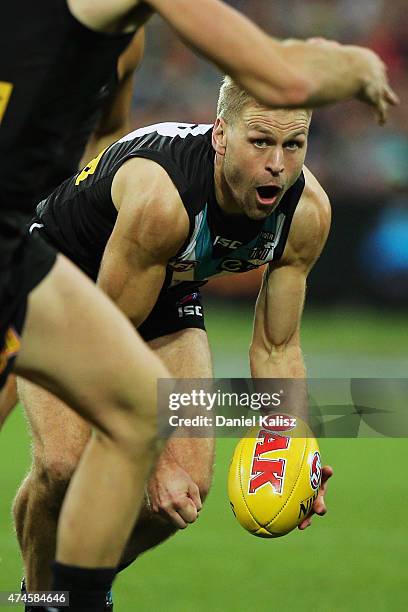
(223,194)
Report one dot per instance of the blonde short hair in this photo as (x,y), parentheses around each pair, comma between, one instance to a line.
(232,100)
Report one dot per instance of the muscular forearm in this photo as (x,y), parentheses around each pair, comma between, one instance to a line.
(277,363)
(334,72)
(286,366)
(126,291)
(290,73)
(242,50)
(123,295)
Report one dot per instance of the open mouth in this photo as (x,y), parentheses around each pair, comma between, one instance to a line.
(268,194)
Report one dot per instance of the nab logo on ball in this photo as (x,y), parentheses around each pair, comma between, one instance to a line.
(315,471)
(268,471)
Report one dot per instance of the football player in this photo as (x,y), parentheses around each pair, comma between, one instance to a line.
(65,52)
(151,219)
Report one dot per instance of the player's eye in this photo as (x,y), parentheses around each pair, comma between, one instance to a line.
(292,145)
(260,143)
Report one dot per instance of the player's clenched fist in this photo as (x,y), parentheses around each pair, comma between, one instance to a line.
(173,494)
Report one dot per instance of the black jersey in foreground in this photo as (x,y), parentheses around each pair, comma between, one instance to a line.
(53,74)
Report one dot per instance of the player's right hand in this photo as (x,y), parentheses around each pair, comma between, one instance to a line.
(375,89)
(173,494)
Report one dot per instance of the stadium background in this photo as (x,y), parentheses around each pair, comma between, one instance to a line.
(354,325)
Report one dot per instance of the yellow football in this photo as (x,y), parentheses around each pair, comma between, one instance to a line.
(274,476)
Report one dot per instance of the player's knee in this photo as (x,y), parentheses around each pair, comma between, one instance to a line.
(127,419)
(136,424)
(136,438)
(51,477)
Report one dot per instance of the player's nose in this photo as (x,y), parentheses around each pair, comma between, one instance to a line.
(275,162)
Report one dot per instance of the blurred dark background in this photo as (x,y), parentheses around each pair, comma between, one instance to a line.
(363,168)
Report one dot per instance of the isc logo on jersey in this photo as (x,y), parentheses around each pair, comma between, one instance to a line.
(182,266)
(190,310)
(274,479)
(227,243)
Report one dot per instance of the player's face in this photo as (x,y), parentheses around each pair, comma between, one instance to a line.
(264,155)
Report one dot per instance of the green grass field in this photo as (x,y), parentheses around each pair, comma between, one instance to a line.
(353,559)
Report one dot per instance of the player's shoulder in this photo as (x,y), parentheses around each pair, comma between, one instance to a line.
(181,148)
(311,221)
(147,199)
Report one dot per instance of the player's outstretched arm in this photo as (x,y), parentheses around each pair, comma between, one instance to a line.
(151,226)
(295,75)
(238,47)
(339,72)
(275,349)
(277,74)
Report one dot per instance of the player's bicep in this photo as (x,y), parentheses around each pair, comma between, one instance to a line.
(150,228)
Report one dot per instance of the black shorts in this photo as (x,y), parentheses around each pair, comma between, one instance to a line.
(174,311)
(26,260)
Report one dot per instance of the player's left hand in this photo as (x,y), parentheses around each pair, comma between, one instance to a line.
(319,506)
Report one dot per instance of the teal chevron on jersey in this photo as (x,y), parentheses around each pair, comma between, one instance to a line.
(79,216)
(198,261)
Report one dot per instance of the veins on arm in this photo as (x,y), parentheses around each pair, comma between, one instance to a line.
(275,350)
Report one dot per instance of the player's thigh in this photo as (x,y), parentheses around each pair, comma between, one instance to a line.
(58,434)
(187,354)
(78,345)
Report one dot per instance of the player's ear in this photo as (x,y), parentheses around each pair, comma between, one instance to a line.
(219,136)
